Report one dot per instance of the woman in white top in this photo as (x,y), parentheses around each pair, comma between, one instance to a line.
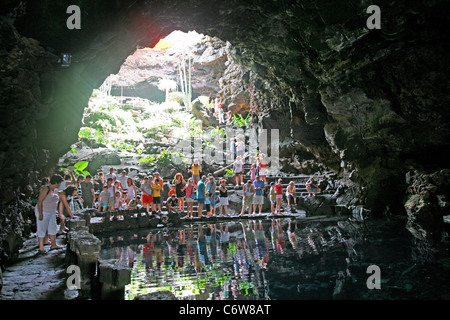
(45,212)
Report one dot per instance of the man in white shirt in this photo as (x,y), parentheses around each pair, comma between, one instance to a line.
(123,180)
(111,175)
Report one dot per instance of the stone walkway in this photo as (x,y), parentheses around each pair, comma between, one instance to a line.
(36,276)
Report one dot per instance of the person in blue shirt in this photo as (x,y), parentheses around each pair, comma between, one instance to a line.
(201,195)
(258,200)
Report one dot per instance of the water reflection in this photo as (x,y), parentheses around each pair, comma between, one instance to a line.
(264,259)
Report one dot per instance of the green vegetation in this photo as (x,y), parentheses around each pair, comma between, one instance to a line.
(240,121)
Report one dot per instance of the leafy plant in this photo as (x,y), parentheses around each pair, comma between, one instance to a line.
(229,173)
(147,161)
(79,168)
(240,121)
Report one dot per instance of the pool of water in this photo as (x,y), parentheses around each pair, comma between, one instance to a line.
(283,260)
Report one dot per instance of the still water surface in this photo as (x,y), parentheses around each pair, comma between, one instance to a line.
(282,259)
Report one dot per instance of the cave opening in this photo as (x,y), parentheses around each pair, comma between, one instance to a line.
(186,86)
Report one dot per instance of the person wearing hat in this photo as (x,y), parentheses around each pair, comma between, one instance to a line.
(248,193)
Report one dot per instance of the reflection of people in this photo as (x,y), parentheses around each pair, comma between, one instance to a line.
(311,185)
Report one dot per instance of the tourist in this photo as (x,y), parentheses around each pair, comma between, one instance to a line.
(223,197)
(66,182)
(87,192)
(219,106)
(112,194)
(233,148)
(123,179)
(147,198)
(311,185)
(161,183)
(190,197)
(156,194)
(273,197)
(78,203)
(172,190)
(64,210)
(279,198)
(259,194)
(196,169)
(111,175)
(252,172)
(201,195)
(238,168)
(103,199)
(118,199)
(45,210)
(131,190)
(135,203)
(172,203)
(248,192)
(240,148)
(210,200)
(262,166)
(290,193)
(180,189)
(100,180)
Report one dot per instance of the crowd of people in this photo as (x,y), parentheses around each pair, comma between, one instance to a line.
(111,191)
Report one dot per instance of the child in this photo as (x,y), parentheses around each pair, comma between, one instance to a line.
(190,197)
(156,196)
(103,199)
(196,169)
(252,173)
(172,190)
(118,200)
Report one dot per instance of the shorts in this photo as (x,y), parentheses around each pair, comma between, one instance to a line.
(157,200)
(290,197)
(196,177)
(273,202)
(147,198)
(189,200)
(47,225)
(224,201)
(111,201)
(247,201)
(201,200)
(279,196)
(258,199)
(104,205)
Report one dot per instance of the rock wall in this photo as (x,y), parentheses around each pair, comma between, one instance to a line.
(371,105)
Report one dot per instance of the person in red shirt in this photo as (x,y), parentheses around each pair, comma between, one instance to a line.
(279,198)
